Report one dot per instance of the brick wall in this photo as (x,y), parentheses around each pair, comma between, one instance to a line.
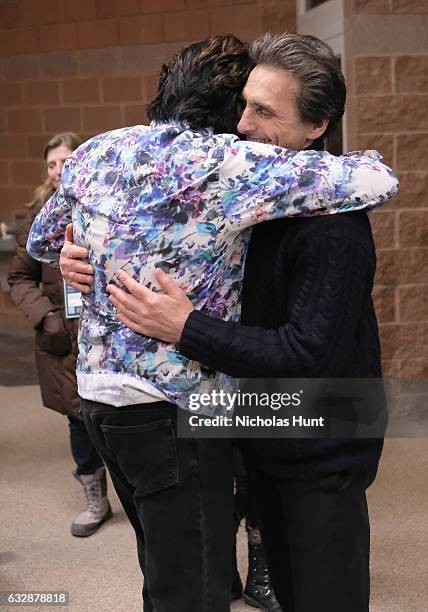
(90,66)
(388,64)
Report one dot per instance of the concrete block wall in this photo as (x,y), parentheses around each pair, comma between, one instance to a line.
(90,66)
(387,49)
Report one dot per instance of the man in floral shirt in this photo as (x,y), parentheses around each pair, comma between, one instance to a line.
(180,196)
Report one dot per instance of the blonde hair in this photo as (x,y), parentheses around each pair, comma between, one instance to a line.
(44,191)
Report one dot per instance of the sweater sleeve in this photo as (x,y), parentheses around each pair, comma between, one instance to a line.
(334,272)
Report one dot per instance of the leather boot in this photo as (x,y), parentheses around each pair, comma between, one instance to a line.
(258,591)
(97,509)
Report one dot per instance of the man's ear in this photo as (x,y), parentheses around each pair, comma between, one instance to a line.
(318,129)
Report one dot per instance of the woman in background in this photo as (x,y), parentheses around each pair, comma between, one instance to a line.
(38,291)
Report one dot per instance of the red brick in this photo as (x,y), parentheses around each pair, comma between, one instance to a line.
(36,144)
(135,114)
(413,228)
(115,8)
(161,6)
(278,16)
(57,37)
(186,26)
(192,4)
(27,173)
(383,143)
(410,6)
(373,75)
(413,303)
(4,173)
(76,10)
(384,224)
(413,191)
(21,67)
(81,91)
(145,59)
(243,21)
(98,33)
(9,14)
(37,13)
(379,7)
(101,118)
(98,62)
(13,147)
(398,113)
(25,120)
(41,92)
(61,64)
(401,266)
(390,368)
(13,197)
(411,73)
(18,42)
(10,94)
(122,89)
(404,341)
(63,119)
(414,368)
(384,301)
(150,86)
(146,29)
(411,151)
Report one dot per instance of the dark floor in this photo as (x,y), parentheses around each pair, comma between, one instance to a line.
(17,364)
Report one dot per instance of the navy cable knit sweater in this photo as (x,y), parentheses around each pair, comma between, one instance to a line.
(307,311)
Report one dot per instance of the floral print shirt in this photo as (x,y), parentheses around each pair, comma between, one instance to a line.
(171,197)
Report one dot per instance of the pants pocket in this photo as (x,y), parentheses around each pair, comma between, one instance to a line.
(146,454)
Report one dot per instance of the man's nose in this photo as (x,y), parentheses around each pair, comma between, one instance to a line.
(245,125)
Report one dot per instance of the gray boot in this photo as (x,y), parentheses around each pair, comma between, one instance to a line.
(97,505)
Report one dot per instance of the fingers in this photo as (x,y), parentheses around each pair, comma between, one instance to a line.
(71,251)
(166,283)
(69,232)
(75,267)
(82,288)
(122,300)
(75,277)
(131,324)
(137,290)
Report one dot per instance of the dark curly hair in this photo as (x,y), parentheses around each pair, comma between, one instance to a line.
(202,85)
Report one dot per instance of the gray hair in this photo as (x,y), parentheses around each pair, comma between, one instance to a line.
(322,84)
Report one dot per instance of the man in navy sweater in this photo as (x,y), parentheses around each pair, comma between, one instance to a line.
(307,312)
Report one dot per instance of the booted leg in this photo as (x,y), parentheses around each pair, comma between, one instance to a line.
(258,590)
(97,509)
(317,539)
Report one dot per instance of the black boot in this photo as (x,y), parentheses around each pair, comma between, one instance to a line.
(258,591)
(236,586)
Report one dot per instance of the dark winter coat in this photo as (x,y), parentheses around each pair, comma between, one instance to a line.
(37,289)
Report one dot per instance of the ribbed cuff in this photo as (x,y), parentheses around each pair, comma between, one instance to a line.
(196,338)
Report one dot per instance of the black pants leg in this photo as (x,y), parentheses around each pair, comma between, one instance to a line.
(317,540)
(177,494)
(84,452)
